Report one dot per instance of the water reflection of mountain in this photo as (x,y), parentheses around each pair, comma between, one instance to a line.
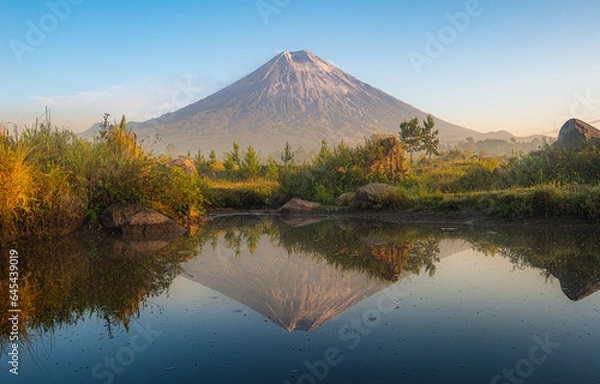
(303,276)
(300,275)
(293,290)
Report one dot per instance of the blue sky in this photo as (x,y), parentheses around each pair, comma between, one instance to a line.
(488,65)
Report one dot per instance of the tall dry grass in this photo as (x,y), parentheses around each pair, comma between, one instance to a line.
(50,180)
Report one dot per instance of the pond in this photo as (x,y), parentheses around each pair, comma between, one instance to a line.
(260,299)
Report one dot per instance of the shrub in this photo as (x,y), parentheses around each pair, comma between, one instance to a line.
(50,180)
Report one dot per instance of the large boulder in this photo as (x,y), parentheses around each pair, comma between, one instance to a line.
(576,134)
(184,163)
(135,219)
(364,196)
(298,205)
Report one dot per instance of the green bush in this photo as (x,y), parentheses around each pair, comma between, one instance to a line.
(50,180)
(243,195)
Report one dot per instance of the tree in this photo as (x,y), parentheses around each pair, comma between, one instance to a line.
(288,155)
(411,135)
(200,162)
(250,166)
(213,163)
(235,154)
(324,152)
(418,138)
(232,161)
(384,157)
(430,141)
(272,169)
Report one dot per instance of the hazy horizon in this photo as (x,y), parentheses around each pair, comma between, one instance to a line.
(484,65)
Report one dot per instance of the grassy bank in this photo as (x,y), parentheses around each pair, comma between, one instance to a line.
(548,183)
(51,181)
(249,194)
(545,201)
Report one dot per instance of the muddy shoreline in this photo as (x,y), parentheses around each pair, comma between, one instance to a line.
(425,217)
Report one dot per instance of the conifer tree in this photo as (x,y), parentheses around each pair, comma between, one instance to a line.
(250,166)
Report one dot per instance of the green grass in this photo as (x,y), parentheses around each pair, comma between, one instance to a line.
(250,194)
(50,180)
(545,201)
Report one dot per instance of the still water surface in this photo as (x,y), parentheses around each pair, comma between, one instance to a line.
(260,300)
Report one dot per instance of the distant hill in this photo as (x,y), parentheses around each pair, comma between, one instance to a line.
(295,97)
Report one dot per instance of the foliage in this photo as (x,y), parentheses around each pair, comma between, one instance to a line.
(343,169)
(410,135)
(416,138)
(499,147)
(243,194)
(430,141)
(555,165)
(288,155)
(50,179)
(272,169)
(250,167)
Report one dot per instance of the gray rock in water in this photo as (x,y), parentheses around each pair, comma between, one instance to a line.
(299,205)
(135,219)
(576,134)
(364,196)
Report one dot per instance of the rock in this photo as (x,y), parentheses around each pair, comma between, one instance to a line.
(363,197)
(135,247)
(184,163)
(135,219)
(299,205)
(73,211)
(301,221)
(576,134)
(344,199)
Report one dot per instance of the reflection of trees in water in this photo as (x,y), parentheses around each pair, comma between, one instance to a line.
(65,279)
(382,251)
(570,255)
(386,250)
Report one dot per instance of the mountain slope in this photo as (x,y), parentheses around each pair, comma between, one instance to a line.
(295,97)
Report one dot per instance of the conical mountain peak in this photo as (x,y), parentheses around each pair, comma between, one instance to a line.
(301,61)
(295,97)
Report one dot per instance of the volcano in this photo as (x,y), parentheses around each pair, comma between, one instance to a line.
(295,97)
